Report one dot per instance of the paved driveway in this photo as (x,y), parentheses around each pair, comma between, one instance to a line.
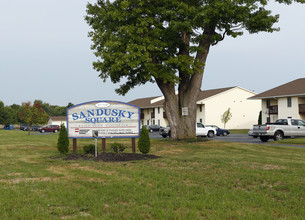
(239,138)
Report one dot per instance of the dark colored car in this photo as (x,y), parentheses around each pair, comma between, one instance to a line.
(23,126)
(35,128)
(220,131)
(50,128)
(152,128)
(164,132)
(26,128)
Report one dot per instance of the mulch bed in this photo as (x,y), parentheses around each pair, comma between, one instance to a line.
(108,157)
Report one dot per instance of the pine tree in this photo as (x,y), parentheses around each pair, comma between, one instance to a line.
(144,141)
(63,140)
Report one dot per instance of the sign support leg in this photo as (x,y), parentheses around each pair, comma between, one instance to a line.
(103,145)
(133,145)
(74,145)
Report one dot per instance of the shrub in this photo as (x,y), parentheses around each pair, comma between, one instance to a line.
(259,118)
(89,149)
(117,148)
(63,140)
(144,141)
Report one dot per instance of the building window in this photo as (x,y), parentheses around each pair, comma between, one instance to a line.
(158,110)
(289,104)
(268,103)
(200,108)
(200,120)
(158,121)
(147,122)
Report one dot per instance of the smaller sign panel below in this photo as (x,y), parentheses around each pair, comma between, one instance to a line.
(103,119)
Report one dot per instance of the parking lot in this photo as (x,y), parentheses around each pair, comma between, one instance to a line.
(239,138)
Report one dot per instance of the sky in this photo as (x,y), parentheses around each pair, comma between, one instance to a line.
(45,54)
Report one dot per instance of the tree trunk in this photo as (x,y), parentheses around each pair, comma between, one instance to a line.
(29,133)
(183,127)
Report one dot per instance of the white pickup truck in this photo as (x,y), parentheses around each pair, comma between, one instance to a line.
(281,128)
(201,130)
(205,130)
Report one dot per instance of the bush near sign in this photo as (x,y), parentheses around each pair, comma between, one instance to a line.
(107,119)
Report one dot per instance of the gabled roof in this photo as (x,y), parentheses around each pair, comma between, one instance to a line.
(145,102)
(58,118)
(293,88)
(209,93)
(148,102)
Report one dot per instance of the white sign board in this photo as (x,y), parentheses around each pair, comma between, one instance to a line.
(185,111)
(108,119)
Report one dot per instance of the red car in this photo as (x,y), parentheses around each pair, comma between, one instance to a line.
(50,128)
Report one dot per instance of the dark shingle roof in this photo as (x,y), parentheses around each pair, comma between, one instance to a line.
(209,93)
(293,88)
(146,102)
(58,118)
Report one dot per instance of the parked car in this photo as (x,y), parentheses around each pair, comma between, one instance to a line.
(289,127)
(50,128)
(201,130)
(26,128)
(220,131)
(32,128)
(35,127)
(22,126)
(164,132)
(152,128)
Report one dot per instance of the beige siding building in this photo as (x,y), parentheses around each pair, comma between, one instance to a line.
(211,104)
(57,120)
(287,100)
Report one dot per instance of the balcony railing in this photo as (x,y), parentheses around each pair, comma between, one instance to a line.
(273,110)
(301,108)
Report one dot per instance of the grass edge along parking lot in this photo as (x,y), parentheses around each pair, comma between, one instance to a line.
(198,180)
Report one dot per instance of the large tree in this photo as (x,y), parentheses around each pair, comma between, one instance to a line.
(167,42)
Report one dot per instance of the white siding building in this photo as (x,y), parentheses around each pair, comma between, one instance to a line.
(211,104)
(287,100)
(57,120)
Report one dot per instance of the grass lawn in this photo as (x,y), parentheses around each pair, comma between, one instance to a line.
(239,131)
(206,180)
(298,141)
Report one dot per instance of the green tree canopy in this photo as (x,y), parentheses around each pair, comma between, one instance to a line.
(8,114)
(33,114)
(53,110)
(167,42)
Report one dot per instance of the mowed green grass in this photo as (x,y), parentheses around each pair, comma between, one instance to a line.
(206,180)
(297,141)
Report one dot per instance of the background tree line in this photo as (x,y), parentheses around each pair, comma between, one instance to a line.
(10,114)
